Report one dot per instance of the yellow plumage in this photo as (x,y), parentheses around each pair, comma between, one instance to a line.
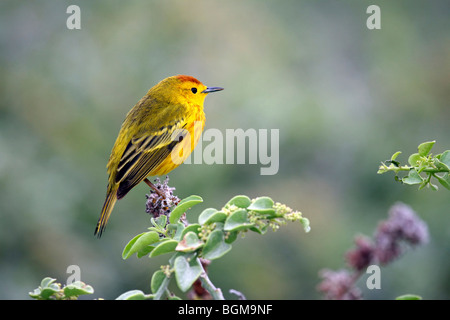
(157,135)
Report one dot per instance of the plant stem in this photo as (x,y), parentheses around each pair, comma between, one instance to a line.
(216,293)
(385,168)
(239,294)
(162,289)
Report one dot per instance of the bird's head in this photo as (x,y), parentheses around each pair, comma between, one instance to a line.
(185,89)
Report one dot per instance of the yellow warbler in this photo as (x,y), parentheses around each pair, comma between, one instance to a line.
(155,129)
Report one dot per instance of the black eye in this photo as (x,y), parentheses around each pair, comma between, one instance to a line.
(194,90)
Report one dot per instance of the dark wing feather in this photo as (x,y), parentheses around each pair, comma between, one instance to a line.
(143,167)
(142,155)
(132,154)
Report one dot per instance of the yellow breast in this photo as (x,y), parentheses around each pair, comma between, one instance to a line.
(192,133)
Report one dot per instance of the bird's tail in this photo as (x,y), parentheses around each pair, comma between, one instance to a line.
(110,201)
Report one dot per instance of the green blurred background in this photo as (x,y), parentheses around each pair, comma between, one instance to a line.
(343,97)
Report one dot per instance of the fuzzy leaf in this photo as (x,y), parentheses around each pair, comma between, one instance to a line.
(140,244)
(47,282)
(412,178)
(211,215)
(161,221)
(425,148)
(262,205)
(444,180)
(433,186)
(395,155)
(444,159)
(189,243)
(240,201)
(237,221)
(195,227)
(179,228)
(132,295)
(440,165)
(215,246)
(47,288)
(413,159)
(157,279)
(186,272)
(409,297)
(77,288)
(164,247)
(231,236)
(182,207)
(259,229)
(306,225)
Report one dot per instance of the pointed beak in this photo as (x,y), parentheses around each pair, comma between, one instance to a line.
(212,89)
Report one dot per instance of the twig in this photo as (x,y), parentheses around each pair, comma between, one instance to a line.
(162,289)
(216,293)
(238,293)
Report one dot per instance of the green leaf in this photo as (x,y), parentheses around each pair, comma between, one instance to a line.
(77,288)
(259,229)
(140,244)
(444,180)
(145,251)
(46,293)
(262,205)
(412,178)
(215,246)
(413,159)
(409,297)
(132,295)
(186,272)
(395,155)
(218,225)
(179,227)
(189,243)
(433,186)
(211,215)
(204,216)
(195,227)
(425,148)
(35,294)
(440,165)
(237,221)
(157,280)
(444,159)
(240,201)
(305,224)
(48,287)
(162,289)
(423,165)
(164,247)
(161,221)
(423,184)
(231,236)
(47,282)
(182,207)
